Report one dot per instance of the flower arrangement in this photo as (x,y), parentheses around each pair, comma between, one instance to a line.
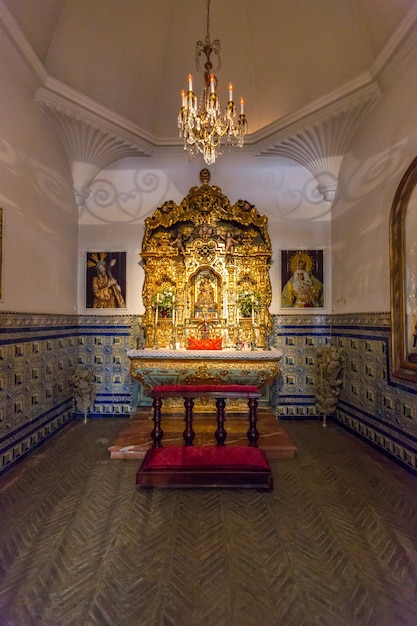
(83,383)
(249,300)
(329,379)
(164,299)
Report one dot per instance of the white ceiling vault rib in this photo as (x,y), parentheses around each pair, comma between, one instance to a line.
(398,49)
(25,60)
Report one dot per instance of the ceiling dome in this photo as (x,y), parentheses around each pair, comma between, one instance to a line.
(109,73)
(284,56)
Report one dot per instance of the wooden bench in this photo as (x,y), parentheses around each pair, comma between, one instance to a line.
(205,466)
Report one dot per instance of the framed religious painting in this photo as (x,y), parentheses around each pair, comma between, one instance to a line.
(302,285)
(105,286)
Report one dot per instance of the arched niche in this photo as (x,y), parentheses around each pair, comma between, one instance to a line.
(205,288)
(403,264)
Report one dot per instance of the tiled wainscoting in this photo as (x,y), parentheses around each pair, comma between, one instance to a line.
(38,353)
(372,404)
(298,336)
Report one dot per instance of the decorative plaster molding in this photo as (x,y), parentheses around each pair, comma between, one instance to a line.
(342,99)
(316,136)
(320,146)
(60,96)
(81,195)
(92,136)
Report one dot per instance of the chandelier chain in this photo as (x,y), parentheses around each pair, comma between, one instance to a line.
(202,125)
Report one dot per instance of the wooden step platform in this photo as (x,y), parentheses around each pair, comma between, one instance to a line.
(135,439)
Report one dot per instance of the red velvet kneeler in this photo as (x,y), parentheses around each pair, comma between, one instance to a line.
(205,466)
(223,390)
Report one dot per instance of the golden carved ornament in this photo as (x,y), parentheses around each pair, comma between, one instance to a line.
(230,245)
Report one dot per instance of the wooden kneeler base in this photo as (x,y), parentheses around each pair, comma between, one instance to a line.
(205,466)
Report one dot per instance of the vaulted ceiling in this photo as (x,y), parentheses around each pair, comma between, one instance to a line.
(307,68)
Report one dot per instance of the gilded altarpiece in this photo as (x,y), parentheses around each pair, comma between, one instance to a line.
(206,266)
(206,294)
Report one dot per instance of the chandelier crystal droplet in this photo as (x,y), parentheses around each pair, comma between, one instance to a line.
(202,125)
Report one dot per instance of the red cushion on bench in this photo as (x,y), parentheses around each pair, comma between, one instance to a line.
(205,458)
(226,388)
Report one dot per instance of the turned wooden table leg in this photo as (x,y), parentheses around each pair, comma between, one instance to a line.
(188,433)
(157,432)
(253,433)
(220,433)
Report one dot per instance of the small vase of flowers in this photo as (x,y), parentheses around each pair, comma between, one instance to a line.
(249,301)
(164,301)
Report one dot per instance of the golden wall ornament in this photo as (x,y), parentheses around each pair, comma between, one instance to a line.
(213,258)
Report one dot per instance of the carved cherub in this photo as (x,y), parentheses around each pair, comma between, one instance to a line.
(167,206)
(179,241)
(205,232)
(230,242)
(244,205)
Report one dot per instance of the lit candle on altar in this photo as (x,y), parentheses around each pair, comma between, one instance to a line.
(212,90)
(225,307)
(230,92)
(183,99)
(173,310)
(242,102)
(156,309)
(237,316)
(190,82)
(253,310)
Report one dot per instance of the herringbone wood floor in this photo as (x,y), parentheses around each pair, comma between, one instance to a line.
(335,543)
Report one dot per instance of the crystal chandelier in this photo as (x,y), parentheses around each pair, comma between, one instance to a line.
(202,125)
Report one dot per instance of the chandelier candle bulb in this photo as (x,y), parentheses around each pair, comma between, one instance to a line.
(202,125)
(183,98)
(242,102)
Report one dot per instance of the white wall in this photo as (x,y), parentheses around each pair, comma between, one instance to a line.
(123,195)
(379,155)
(40,215)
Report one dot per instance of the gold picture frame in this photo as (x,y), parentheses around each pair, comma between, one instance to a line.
(1,254)
(403,269)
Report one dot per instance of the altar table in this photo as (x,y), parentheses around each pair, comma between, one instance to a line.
(192,367)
